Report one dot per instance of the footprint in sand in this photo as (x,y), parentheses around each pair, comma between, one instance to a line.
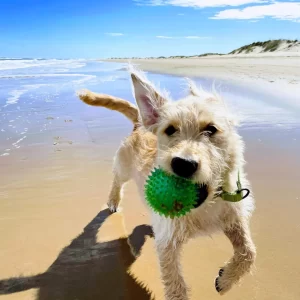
(56,138)
(59,141)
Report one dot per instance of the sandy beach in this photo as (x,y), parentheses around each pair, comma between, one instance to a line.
(58,240)
(277,74)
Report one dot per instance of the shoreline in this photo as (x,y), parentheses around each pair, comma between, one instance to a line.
(276,76)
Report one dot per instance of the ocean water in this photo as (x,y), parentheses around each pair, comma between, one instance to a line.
(35,93)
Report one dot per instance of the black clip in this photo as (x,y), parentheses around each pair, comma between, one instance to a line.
(247,194)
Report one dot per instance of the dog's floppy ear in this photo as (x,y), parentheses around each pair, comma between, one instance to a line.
(148,99)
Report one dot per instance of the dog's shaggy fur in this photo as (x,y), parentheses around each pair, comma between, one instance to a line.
(219,156)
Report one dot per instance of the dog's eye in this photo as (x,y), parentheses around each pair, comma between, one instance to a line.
(210,130)
(170,130)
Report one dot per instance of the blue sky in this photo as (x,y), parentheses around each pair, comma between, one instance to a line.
(126,28)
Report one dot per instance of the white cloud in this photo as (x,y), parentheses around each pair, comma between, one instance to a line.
(278,10)
(199,3)
(114,34)
(164,37)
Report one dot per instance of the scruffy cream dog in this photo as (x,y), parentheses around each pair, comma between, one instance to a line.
(194,138)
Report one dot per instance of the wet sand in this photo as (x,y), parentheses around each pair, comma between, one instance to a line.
(58,240)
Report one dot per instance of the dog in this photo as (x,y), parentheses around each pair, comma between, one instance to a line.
(195,138)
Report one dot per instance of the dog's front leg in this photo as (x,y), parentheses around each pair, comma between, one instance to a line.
(243,258)
(169,259)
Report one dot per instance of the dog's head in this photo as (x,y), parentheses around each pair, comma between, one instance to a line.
(196,136)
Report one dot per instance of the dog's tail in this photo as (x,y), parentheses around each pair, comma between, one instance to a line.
(110,102)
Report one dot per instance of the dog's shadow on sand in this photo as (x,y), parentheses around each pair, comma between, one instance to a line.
(87,270)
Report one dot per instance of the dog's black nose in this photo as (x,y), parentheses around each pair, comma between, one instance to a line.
(183,167)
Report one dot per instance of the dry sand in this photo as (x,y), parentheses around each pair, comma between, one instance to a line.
(60,242)
(276,75)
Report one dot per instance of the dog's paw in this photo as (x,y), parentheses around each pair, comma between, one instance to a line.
(223,282)
(112,207)
(218,289)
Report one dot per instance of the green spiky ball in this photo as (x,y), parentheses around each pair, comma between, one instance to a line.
(170,195)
